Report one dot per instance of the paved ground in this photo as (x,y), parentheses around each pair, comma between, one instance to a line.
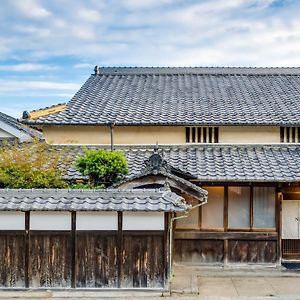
(236,282)
(205,283)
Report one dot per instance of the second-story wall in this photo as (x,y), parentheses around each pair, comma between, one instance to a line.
(249,134)
(149,135)
(122,135)
(77,134)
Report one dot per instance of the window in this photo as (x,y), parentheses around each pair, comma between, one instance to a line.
(202,134)
(244,208)
(238,207)
(290,134)
(213,210)
(264,207)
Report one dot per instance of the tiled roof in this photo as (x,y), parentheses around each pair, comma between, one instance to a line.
(19,126)
(216,163)
(92,200)
(185,96)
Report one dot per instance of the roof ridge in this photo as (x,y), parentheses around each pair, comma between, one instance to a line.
(46,107)
(205,70)
(42,112)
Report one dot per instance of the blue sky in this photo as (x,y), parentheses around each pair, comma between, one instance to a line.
(49,48)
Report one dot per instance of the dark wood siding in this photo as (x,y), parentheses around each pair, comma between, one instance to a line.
(50,260)
(143,261)
(12,260)
(96,260)
(199,251)
(252,251)
(225,247)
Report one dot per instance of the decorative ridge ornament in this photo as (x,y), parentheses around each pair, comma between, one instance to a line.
(155,164)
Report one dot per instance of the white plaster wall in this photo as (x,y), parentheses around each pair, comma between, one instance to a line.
(97,220)
(143,221)
(12,220)
(50,220)
(249,134)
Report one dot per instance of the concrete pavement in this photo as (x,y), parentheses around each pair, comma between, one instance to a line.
(236,282)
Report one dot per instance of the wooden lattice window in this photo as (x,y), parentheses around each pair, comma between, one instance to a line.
(290,134)
(290,248)
(202,134)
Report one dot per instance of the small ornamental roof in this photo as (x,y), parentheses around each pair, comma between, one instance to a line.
(166,175)
(183,96)
(214,163)
(150,200)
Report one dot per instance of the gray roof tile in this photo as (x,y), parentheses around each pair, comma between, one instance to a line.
(92,200)
(185,96)
(243,163)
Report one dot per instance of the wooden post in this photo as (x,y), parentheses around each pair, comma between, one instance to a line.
(27,247)
(279,199)
(251,208)
(225,208)
(225,242)
(120,247)
(73,249)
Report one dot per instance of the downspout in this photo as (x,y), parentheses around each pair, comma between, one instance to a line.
(111,126)
(171,240)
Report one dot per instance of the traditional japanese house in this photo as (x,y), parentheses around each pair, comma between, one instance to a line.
(234,132)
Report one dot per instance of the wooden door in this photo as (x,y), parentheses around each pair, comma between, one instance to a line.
(290,219)
(291,229)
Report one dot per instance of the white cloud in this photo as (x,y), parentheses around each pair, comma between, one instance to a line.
(34,31)
(11,86)
(142,4)
(83,66)
(150,32)
(27,67)
(84,33)
(89,15)
(31,9)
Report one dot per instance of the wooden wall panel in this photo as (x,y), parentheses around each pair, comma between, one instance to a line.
(96,260)
(199,251)
(252,251)
(143,261)
(12,260)
(50,260)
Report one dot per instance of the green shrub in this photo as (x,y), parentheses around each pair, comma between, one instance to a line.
(29,166)
(103,168)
